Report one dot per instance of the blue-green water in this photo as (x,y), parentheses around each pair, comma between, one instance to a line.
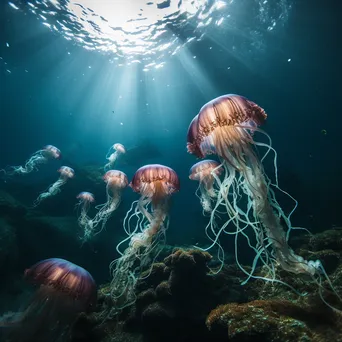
(68,81)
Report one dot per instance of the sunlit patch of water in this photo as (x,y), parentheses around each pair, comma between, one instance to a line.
(146,31)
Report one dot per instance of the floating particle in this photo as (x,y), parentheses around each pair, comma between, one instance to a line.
(13,6)
(7,44)
(324,132)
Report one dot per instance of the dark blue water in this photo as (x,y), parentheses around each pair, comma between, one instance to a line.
(53,91)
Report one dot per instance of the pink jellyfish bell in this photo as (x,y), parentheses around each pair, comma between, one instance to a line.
(51,152)
(64,291)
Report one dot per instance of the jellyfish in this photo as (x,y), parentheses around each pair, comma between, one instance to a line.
(203,172)
(42,156)
(85,199)
(225,126)
(155,183)
(116,182)
(65,290)
(65,173)
(112,157)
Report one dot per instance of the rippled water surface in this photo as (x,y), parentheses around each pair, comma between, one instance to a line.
(140,31)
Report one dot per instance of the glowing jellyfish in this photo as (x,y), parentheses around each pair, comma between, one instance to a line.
(155,184)
(65,174)
(203,172)
(112,156)
(65,290)
(116,181)
(42,156)
(85,199)
(225,127)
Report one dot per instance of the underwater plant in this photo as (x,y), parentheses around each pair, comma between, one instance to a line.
(225,127)
(65,290)
(155,183)
(112,157)
(42,156)
(66,173)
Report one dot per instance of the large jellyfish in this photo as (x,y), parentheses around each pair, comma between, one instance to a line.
(65,290)
(42,156)
(85,199)
(116,182)
(114,153)
(203,172)
(225,127)
(66,173)
(155,184)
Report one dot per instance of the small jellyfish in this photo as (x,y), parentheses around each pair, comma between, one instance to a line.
(85,199)
(155,183)
(42,156)
(206,172)
(112,157)
(116,182)
(65,174)
(65,290)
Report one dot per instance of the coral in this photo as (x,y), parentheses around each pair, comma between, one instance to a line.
(144,299)
(186,259)
(179,295)
(163,290)
(157,314)
(275,321)
(153,275)
(328,239)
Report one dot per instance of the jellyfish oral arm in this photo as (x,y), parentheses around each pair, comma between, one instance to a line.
(31,165)
(285,256)
(53,190)
(111,161)
(33,162)
(159,216)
